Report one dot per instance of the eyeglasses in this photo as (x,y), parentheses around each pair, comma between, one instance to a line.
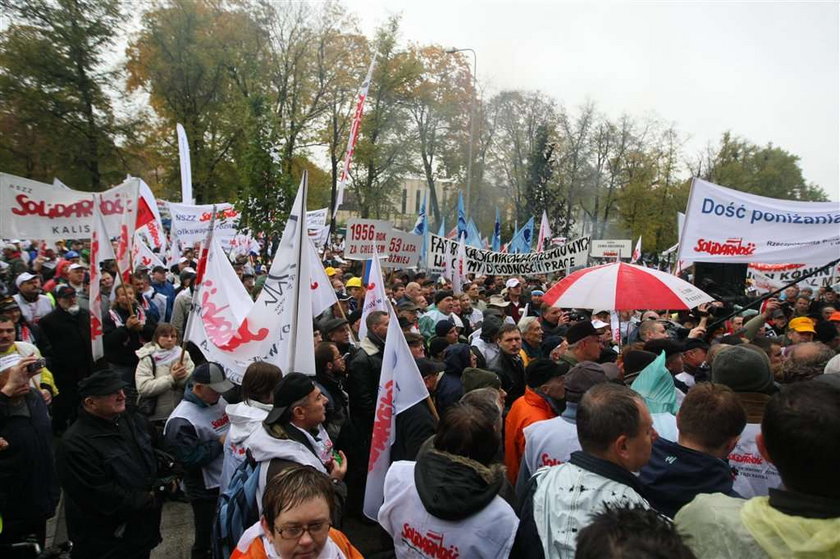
(296,532)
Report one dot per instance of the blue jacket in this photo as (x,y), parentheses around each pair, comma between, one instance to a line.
(676,474)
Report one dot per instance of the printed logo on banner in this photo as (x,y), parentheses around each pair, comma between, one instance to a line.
(365,235)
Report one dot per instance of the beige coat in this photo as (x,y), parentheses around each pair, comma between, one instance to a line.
(157,381)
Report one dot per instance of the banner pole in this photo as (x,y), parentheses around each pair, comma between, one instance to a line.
(302,235)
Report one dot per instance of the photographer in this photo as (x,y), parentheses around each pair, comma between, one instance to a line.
(108,471)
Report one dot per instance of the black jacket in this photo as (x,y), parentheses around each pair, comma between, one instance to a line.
(450,388)
(512,374)
(453,488)
(28,484)
(676,474)
(69,336)
(363,385)
(107,469)
(120,343)
(412,428)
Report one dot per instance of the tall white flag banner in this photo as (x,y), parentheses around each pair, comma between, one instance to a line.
(400,387)
(545,233)
(190,223)
(725,225)
(186,167)
(100,250)
(36,210)
(355,127)
(149,223)
(375,298)
(269,332)
(142,256)
(323,294)
(637,252)
(459,273)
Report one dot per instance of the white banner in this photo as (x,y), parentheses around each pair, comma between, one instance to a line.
(36,210)
(604,248)
(366,235)
(316,218)
(770,277)
(571,255)
(190,223)
(725,225)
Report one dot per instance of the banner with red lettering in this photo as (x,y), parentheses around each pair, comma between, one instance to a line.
(726,225)
(190,223)
(400,387)
(35,210)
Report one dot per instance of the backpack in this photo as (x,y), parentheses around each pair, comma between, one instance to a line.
(237,508)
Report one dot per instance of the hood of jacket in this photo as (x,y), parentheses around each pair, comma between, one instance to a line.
(456,359)
(454,487)
(245,418)
(656,385)
(147,349)
(277,444)
(784,535)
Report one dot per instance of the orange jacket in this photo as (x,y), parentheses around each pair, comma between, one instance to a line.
(526,410)
(256,550)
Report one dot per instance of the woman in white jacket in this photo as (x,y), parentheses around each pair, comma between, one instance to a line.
(161,372)
(258,386)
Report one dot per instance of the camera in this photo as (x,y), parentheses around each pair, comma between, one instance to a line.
(33,368)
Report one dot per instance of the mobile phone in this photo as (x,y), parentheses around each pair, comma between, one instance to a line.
(36,366)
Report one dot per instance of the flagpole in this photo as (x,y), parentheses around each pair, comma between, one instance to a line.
(300,238)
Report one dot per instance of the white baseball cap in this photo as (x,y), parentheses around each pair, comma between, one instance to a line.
(512,282)
(26,276)
(598,324)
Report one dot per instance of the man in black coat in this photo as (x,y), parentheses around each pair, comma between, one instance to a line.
(67,327)
(28,484)
(108,472)
(508,365)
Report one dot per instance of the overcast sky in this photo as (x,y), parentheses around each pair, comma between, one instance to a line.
(769,72)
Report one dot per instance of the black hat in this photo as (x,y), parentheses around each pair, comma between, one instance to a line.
(743,369)
(101,383)
(333,324)
(212,375)
(408,306)
(64,291)
(579,331)
(437,345)
(474,379)
(636,360)
(429,367)
(290,389)
(443,327)
(670,347)
(354,316)
(342,295)
(158,269)
(9,303)
(540,371)
(695,343)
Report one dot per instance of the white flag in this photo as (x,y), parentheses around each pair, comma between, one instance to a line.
(100,250)
(375,298)
(637,252)
(459,273)
(400,387)
(545,233)
(323,294)
(142,256)
(149,224)
(186,167)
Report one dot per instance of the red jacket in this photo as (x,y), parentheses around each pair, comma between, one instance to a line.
(526,410)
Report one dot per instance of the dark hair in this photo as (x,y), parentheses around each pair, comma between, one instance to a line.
(140,275)
(465,430)
(711,414)
(323,355)
(441,295)
(412,338)
(508,327)
(801,427)
(629,532)
(259,382)
(122,287)
(6,318)
(374,318)
(162,329)
(606,412)
(292,487)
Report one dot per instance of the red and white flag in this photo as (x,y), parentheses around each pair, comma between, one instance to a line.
(355,127)
(459,274)
(322,292)
(142,256)
(400,387)
(148,223)
(375,298)
(100,250)
(637,252)
(545,233)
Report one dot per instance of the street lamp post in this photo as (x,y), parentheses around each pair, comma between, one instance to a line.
(453,50)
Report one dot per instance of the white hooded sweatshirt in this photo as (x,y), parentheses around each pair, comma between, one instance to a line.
(245,418)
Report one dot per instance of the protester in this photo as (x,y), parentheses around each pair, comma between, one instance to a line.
(805,361)
(656,386)
(33,304)
(449,499)
(508,364)
(161,374)
(543,399)
(552,442)
(532,336)
(710,421)
(584,343)
(108,472)
(616,434)
(195,433)
(28,484)
(799,433)
(450,388)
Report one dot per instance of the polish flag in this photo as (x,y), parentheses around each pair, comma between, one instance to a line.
(375,298)
(100,250)
(637,252)
(545,233)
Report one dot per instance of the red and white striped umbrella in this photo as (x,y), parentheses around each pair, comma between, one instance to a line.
(624,287)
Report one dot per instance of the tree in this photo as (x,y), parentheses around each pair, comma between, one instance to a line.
(55,112)
(766,171)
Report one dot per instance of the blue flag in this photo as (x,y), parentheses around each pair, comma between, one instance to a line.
(473,236)
(521,241)
(497,233)
(462,218)
(442,229)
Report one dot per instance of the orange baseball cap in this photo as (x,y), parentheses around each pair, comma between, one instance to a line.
(802,324)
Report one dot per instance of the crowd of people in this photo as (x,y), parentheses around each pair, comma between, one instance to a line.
(549,432)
